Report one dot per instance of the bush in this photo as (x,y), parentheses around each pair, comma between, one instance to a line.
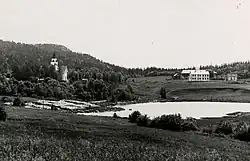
(115,115)
(123,95)
(54,108)
(169,122)
(225,127)
(18,102)
(191,119)
(163,93)
(3,114)
(189,126)
(155,122)
(6,99)
(133,116)
(207,130)
(210,129)
(241,131)
(142,120)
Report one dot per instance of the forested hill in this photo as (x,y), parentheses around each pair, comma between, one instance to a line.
(15,56)
(21,66)
(241,68)
(26,60)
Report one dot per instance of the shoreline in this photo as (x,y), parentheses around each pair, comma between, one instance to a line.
(180,100)
(106,106)
(229,115)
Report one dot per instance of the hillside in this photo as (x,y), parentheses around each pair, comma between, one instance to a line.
(18,54)
(21,66)
(148,89)
(241,68)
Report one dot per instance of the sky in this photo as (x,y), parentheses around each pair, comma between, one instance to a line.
(135,33)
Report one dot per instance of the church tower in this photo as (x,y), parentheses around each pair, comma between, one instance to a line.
(54,62)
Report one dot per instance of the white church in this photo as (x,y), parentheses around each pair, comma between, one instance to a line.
(63,70)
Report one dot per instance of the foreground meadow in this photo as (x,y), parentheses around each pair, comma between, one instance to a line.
(39,135)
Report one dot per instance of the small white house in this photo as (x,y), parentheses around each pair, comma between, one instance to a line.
(199,76)
(231,77)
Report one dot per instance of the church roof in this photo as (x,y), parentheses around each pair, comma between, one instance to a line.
(54,55)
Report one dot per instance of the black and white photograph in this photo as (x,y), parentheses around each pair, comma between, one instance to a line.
(124,80)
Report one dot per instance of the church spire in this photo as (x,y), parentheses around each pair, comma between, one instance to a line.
(54,55)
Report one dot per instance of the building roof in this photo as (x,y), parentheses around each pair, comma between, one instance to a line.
(199,72)
(232,74)
(195,72)
(186,71)
(54,55)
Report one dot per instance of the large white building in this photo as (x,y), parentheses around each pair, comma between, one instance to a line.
(198,76)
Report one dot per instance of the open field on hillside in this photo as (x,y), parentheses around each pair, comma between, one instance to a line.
(147,88)
(31,134)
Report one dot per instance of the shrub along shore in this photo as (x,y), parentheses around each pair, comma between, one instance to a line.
(233,128)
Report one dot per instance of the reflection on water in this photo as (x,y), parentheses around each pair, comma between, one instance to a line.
(186,109)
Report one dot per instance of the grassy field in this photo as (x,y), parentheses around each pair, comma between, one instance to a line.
(148,88)
(39,135)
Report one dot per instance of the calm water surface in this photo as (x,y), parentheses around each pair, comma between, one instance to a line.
(186,109)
